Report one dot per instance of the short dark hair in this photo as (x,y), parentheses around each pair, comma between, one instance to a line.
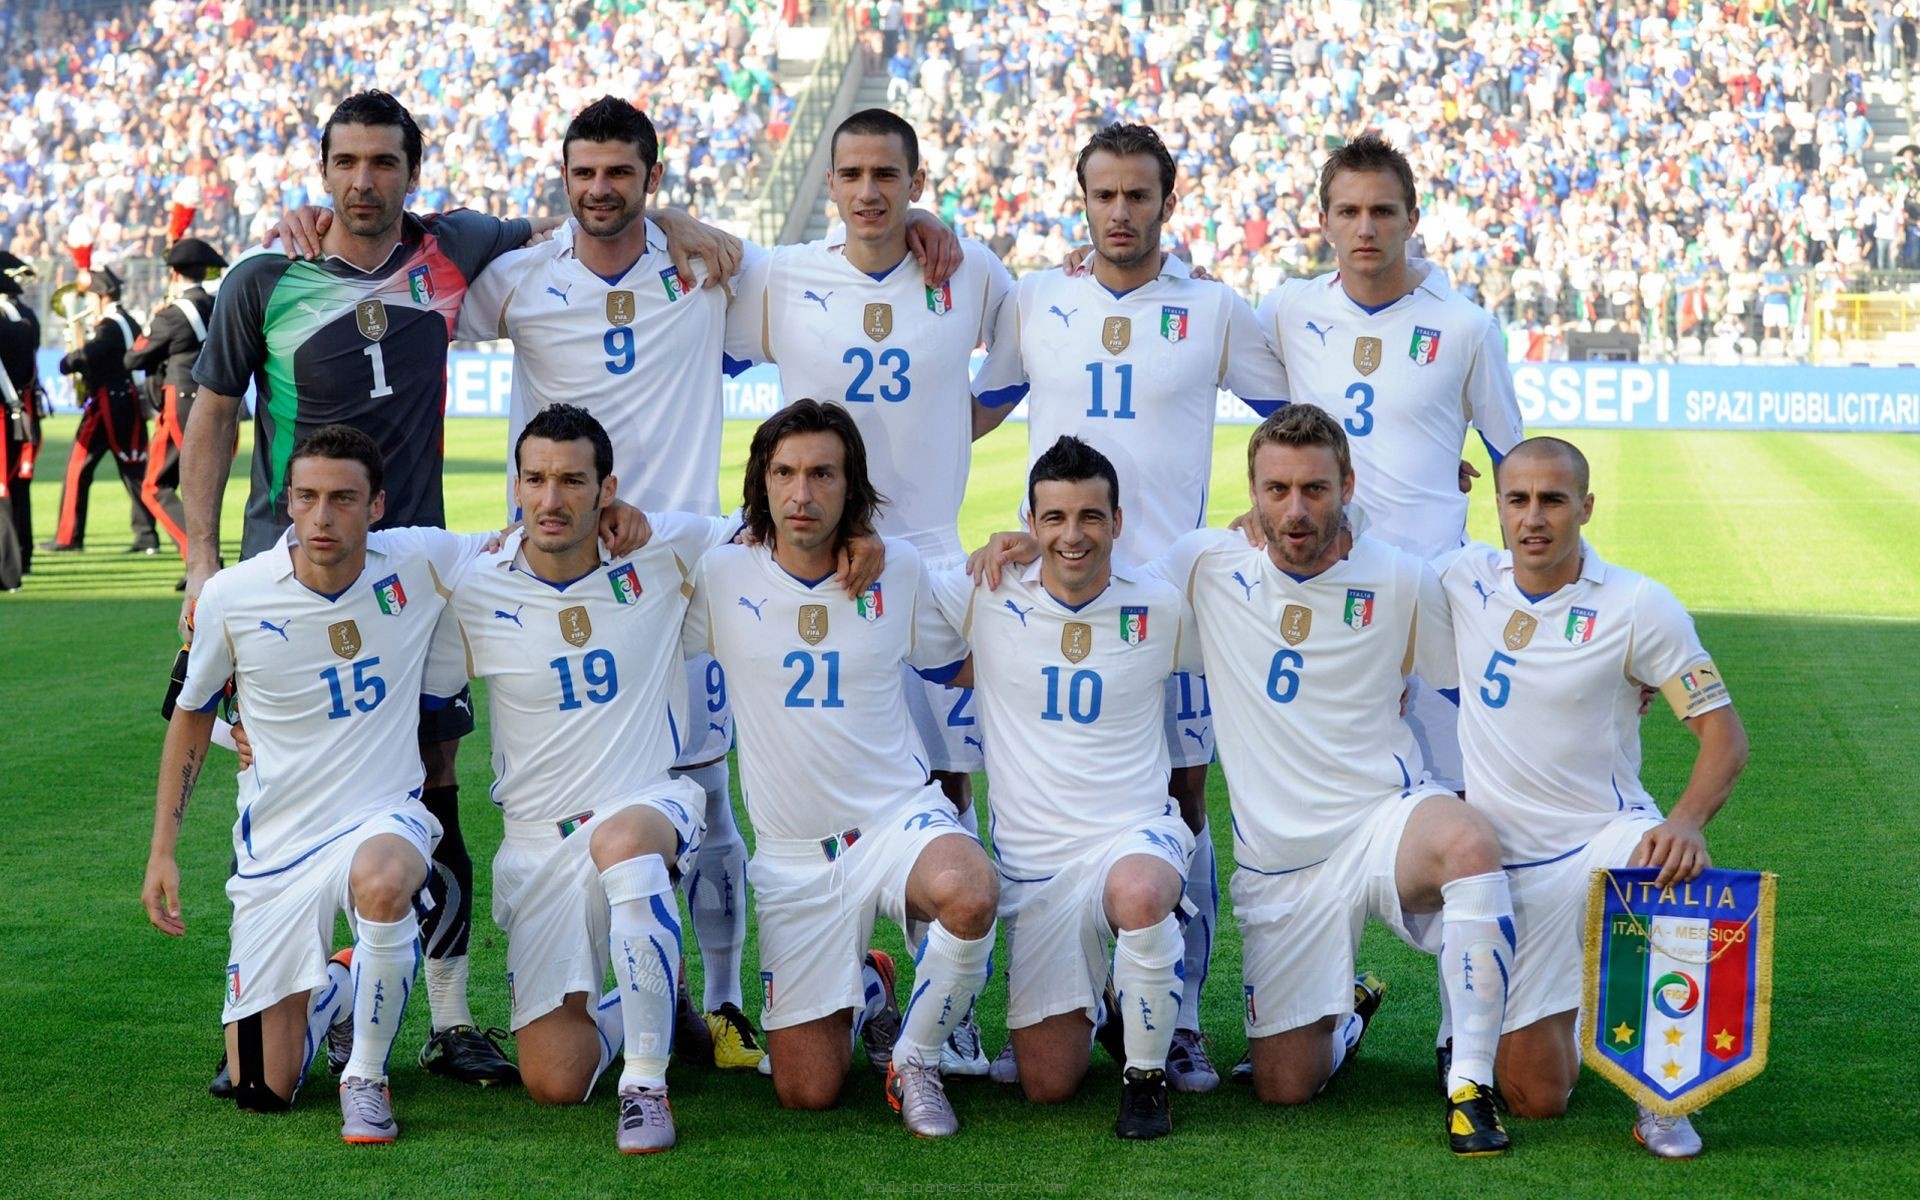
(193,271)
(807,415)
(346,443)
(1124,141)
(374,107)
(1301,425)
(1368,152)
(878,122)
(1582,473)
(611,119)
(1070,460)
(569,423)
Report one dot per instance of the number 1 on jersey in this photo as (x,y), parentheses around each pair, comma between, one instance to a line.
(379,360)
(1124,372)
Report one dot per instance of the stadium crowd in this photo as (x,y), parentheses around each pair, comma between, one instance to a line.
(1685,169)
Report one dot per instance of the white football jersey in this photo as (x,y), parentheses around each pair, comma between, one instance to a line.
(1072,700)
(1550,694)
(329,687)
(584,680)
(814,677)
(1306,678)
(1405,382)
(1137,377)
(895,352)
(643,355)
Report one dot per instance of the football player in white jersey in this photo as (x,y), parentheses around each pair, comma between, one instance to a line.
(1130,356)
(581,655)
(1308,643)
(1553,646)
(325,638)
(848,823)
(857,322)
(1070,659)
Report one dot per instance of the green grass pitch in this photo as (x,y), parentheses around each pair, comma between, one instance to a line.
(1800,555)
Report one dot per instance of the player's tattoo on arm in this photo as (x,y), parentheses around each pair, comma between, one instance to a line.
(189,774)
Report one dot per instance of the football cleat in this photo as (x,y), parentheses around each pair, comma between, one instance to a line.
(1005,1068)
(1443,1064)
(469,1055)
(961,1053)
(734,1045)
(340,1032)
(1109,1031)
(1666,1137)
(1473,1124)
(1243,1070)
(221,1088)
(918,1096)
(692,1040)
(366,1113)
(882,1029)
(1144,1109)
(1188,1067)
(646,1121)
(1368,991)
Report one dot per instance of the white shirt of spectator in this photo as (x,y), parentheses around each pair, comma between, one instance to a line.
(1306,679)
(329,687)
(815,681)
(643,355)
(1076,700)
(1137,376)
(584,679)
(895,352)
(1550,694)
(1404,383)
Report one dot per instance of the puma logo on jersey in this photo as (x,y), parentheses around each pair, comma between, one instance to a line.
(1485,595)
(280,629)
(1200,739)
(717,727)
(817,298)
(1066,318)
(554,291)
(746,603)
(1322,332)
(513,616)
(309,309)
(974,742)
(1245,586)
(1017,611)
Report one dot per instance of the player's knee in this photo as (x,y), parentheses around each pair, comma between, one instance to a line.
(1468,846)
(1536,1099)
(1138,903)
(1042,1088)
(1285,1088)
(811,1093)
(382,886)
(553,1087)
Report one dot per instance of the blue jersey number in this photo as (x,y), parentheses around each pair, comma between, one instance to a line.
(1083,696)
(619,344)
(368,689)
(803,659)
(1495,675)
(958,717)
(716,687)
(1124,373)
(895,388)
(1360,424)
(602,680)
(1283,677)
(1187,681)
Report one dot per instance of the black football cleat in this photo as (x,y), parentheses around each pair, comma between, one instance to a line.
(222,1086)
(1145,1112)
(469,1055)
(1473,1123)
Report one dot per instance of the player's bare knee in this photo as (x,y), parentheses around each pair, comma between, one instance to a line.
(1286,1088)
(816,1092)
(383,884)
(1527,1098)
(1055,1087)
(554,1086)
(630,834)
(1467,845)
(1138,900)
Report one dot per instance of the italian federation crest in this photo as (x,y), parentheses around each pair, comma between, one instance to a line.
(626,583)
(1679,984)
(670,282)
(870,604)
(940,299)
(1359,611)
(1580,625)
(1133,624)
(392,597)
(1173,323)
(1425,346)
(420,284)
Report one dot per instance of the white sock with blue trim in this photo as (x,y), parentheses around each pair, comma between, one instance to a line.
(1476,963)
(326,1004)
(385,956)
(946,979)
(1203,892)
(717,891)
(1146,976)
(643,937)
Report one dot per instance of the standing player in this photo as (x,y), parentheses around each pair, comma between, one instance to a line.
(19,420)
(581,655)
(1130,357)
(1310,641)
(1553,646)
(848,823)
(111,422)
(175,334)
(859,323)
(325,636)
(1070,661)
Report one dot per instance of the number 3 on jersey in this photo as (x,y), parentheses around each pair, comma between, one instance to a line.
(888,371)
(1360,424)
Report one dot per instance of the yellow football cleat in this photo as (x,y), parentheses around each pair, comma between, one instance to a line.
(1473,1124)
(734,1046)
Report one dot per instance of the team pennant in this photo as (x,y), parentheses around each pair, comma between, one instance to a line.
(1679,984)
(1133,624)
(391,595)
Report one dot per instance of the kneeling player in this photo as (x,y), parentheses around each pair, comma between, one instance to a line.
(1070,660)
(848,823)
(581,654)
(325,637)
(1553,646)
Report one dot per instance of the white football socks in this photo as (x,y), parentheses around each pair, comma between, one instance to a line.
(643,937)
(1146,977)
(947,977)
(1476,962)
(325,1005)
(716,886)
(447,992)
(385,956)
(1203,892)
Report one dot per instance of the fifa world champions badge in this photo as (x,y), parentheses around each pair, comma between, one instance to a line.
(1679,984)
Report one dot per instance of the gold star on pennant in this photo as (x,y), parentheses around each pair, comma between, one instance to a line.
(1671,1070)
(1623,1033)
(1673,1036)
(1724,1040)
